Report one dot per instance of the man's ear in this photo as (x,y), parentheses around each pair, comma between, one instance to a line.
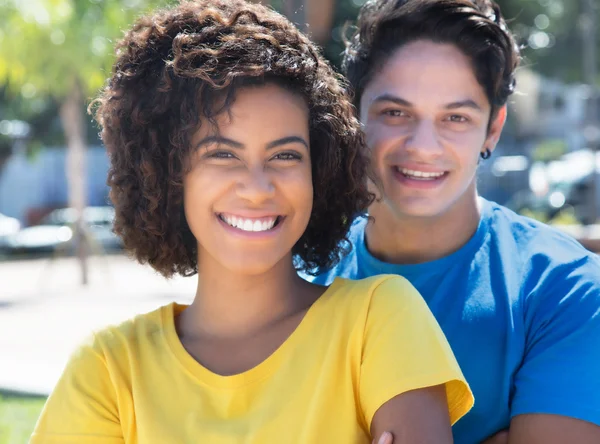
(496,129)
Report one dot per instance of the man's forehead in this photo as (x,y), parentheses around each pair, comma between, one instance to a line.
(443,85)
(425,62)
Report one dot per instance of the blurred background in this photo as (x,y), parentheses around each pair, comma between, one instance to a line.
(62,270)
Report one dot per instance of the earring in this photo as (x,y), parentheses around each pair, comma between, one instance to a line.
(486,154)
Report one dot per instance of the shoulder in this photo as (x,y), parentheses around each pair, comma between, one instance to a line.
(538,246)
(373,285)
(381,293)
(403,349)
(112,342)
(556,270)
(506,225)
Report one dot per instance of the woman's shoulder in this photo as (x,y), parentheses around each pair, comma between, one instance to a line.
(384,292)
(125,336)
(379,286)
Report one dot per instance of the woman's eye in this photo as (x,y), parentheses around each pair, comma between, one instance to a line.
(221,155)
(287,156)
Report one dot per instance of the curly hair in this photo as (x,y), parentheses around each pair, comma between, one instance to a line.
(476,27)
(173,70)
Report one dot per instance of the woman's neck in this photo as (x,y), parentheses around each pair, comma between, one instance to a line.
(230,305)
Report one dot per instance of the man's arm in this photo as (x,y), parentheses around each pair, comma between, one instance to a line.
(415,417)
(556,397)
(547,429)
(499,438)
(552,429)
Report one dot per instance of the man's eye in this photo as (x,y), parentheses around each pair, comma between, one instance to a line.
(394,113)
(457,118)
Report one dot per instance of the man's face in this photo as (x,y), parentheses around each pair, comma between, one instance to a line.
(426,122)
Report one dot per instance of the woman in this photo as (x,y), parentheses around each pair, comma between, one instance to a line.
(233,150)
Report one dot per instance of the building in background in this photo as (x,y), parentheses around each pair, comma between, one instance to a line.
(31,186)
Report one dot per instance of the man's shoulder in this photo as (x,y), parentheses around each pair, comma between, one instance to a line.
(556,282)
(550,264)
(534,240)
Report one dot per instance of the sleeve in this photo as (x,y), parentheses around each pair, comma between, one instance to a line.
(404,349)
(82,408)
(560,373)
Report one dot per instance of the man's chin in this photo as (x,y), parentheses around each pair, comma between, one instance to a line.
(421,213)
(419,209)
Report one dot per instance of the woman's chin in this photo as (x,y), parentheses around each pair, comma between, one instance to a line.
(255,265)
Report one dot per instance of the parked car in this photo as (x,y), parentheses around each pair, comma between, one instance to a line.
(564,184)
(8,225)
(56,230)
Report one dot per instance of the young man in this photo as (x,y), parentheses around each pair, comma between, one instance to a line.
(518,301)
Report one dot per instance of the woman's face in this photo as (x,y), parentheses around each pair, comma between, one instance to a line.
(248,196)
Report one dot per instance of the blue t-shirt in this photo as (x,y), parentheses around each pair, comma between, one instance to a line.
(520,306)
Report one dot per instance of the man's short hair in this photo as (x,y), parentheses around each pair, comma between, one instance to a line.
(476,27)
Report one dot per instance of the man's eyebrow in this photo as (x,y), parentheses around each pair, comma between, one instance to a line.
(219,140)
(391,98)
(467,103)
(286,140)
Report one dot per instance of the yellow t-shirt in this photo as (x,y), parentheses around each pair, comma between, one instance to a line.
(358,346)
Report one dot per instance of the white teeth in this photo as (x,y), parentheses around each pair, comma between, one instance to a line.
(422,175)
(249,224)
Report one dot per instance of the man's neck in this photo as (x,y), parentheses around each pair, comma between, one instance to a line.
(412,240)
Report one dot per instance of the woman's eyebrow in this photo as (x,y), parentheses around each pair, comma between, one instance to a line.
(220,141)
(286,140)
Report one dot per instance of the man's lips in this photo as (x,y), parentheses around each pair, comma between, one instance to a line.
(421,173)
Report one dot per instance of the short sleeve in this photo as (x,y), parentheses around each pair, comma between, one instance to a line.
(560,373)
(404,349)
(82,407)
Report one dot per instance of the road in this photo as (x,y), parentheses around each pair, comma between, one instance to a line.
(45,313)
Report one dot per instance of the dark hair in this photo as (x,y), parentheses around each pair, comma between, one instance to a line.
(476,27)
(182,66)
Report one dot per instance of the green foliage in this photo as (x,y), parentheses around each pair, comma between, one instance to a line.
(18,416)
(548,150)
(564,217)
(46,45)
(550,32)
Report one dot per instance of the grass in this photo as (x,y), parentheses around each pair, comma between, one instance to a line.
(18,415)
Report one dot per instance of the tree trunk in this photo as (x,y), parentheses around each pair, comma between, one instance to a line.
(71,117)
(319,15)
(312,16)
